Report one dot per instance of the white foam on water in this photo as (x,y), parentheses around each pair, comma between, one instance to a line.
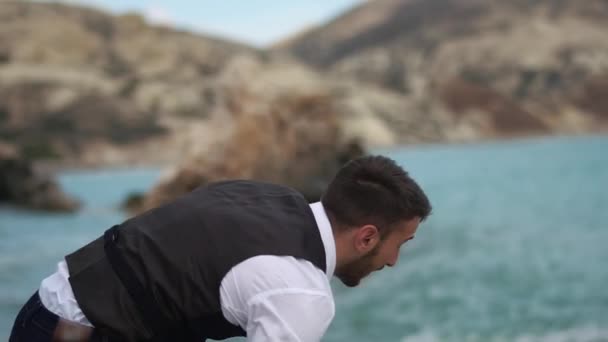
(579,334)
(424,336)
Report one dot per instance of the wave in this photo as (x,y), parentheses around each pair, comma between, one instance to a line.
(579,334)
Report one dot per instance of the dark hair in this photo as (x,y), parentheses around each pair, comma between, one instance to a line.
(374,190)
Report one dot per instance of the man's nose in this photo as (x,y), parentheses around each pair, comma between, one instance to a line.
(393,261)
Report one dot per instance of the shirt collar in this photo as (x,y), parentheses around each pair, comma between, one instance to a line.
(327,236)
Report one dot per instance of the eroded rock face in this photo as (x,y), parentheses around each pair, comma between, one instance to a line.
(81,85)
(592,97)
(22,186)
(523,67)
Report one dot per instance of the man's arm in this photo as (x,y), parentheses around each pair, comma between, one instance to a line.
(289,316)
(278,299)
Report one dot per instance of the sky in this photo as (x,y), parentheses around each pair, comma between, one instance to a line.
(255,22)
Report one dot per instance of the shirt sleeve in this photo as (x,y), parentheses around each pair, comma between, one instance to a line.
(291,315)
(278,299)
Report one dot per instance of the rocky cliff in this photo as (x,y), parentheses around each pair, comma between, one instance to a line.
(487,67)
(91,89)
(79,84)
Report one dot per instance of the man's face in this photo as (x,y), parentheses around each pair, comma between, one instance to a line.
(385,253)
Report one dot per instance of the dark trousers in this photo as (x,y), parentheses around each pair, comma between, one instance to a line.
(35,323)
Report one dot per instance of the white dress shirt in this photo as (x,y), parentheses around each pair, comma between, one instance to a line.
(273,298)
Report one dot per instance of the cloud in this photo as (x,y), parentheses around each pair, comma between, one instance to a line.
(158,15)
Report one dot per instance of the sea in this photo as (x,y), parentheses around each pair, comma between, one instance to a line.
(516,248)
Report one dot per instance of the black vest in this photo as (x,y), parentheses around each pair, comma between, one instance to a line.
(181,251)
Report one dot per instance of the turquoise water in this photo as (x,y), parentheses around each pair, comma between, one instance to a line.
(515,250)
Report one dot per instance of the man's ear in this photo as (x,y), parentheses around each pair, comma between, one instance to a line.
(367,238)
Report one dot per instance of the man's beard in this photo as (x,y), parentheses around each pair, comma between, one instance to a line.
(352,273)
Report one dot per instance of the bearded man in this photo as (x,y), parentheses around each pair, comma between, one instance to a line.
(234,258)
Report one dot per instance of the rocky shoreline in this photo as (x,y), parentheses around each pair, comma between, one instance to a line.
(116,90)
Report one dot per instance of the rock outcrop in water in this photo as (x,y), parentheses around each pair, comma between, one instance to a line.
(22,186)
(282,126)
